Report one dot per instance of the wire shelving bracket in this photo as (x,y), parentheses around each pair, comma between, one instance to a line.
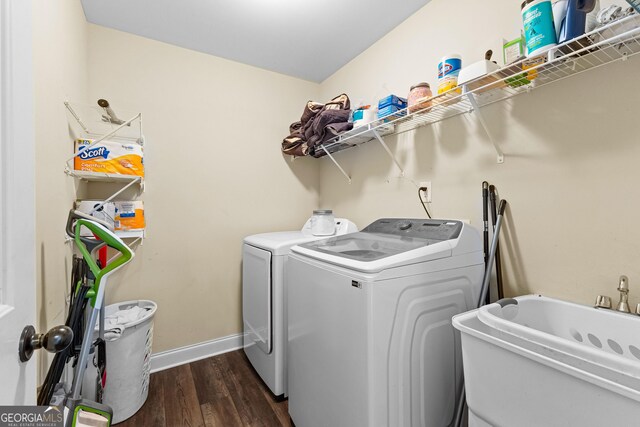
(346,175)
(475,110)
(386,148)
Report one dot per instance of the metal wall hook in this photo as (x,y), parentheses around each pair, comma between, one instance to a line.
(110,116)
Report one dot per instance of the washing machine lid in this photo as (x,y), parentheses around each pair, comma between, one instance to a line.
(280,243)
(388,242)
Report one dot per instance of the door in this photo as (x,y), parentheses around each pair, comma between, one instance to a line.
(17,193)
(256,297)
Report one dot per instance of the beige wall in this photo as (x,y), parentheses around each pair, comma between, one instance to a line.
(570,173)
(60,73)
(215,174)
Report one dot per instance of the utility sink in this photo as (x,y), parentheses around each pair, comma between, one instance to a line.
(538,361)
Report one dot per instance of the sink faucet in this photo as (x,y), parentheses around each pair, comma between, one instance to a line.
(603,301)
(623,287)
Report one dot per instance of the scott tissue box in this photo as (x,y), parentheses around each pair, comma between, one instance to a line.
(109,157)
(129,215)
(106,212)
(121,215)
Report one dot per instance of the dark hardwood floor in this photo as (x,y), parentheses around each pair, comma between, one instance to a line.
(219,391)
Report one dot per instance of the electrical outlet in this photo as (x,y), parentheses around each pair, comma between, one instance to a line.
(426,196)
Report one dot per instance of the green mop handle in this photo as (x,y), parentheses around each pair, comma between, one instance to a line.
(110,240)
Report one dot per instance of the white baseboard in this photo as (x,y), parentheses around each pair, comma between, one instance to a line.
(191,353)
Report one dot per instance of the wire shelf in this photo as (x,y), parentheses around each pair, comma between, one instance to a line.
(97,123)
(130,234)
(92,122)
(613,42)
(103,177)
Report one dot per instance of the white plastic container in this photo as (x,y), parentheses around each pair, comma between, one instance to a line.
(448,71)
(368,116)
(539,29)
(129,362)
(545,362)
(323,223)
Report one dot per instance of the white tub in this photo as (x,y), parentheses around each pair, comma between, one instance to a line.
(545,362)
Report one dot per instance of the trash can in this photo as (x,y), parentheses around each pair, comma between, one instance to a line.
(128,336)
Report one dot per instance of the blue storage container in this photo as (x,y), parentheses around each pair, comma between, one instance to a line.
(392,100)
(392,110)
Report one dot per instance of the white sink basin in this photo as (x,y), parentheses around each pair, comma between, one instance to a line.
(545,362)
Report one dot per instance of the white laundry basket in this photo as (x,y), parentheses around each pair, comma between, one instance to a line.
(536,361)
(129,362)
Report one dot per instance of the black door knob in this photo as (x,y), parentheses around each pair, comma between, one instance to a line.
(55,340)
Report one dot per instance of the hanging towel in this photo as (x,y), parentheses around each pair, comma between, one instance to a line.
(319,123)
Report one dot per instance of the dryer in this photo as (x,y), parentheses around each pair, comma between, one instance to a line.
(369,323)
(264,258)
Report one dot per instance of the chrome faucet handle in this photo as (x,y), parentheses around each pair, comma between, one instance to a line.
(638,309)
(603,301)
(623,288)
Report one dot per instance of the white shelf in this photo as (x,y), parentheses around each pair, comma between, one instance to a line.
(614,42)
(91,122)
(130,234)
(104,177)
(358,136)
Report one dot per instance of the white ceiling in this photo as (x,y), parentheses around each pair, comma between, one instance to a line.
(306,39)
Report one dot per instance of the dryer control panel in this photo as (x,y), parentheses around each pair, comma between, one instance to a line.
(431,229)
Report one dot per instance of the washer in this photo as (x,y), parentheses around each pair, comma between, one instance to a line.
(370,335)
(264,257)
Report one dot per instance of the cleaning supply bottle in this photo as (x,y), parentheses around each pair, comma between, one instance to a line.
(559,15)
(592,18)
(539,30)
(576,19)
(448,71)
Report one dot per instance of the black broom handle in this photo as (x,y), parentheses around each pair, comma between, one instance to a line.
(485,224)
(494,215)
